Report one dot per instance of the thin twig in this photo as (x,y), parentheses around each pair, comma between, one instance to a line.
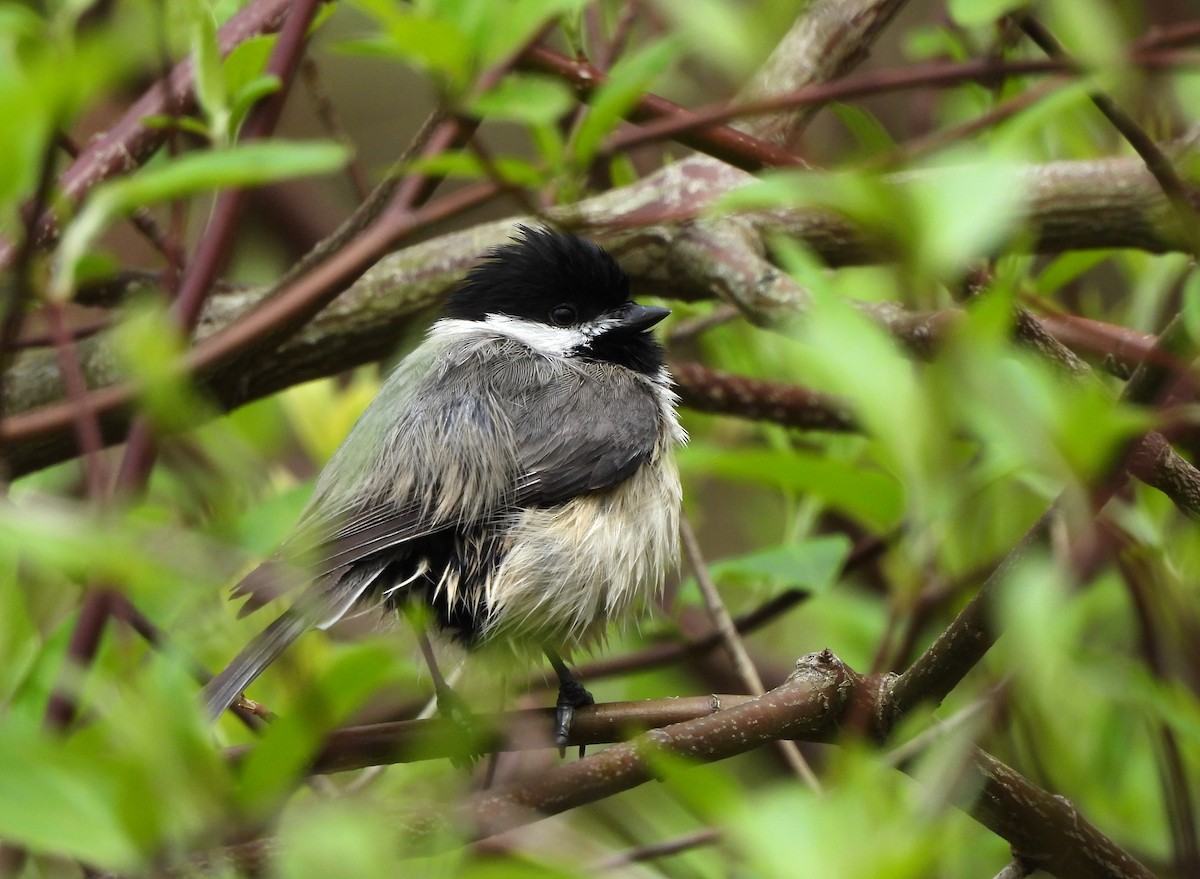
(87,429)
(719,141)
(675,123)
(654,851)
(734,646)
(328,115)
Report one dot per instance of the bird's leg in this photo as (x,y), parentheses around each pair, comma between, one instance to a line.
(571,695)
(450,705)
(448,700)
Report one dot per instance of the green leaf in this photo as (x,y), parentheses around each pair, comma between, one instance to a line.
(1191,306)
(733,38)
(436,44)
(497,30)
(189,124)
(149,346)
(812,565)
(44,789)
(971,13)
(246,79)
(211,93)
(1066,268)
(247,61)
(468,166)
(865,128)
(251,164)
(287,747)
(965,210)
(18,637)
(249,95)
(627,81)
(872,497)
(529,99)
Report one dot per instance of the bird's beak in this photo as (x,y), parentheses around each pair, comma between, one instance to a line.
(634,318)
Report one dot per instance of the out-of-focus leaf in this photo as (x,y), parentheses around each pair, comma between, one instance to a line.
(247,96)
(43,86)
(497,30)
(251,164)
(467,165)
(1191,306)
(733,38)
(337,838)
(1094,36)
(622,170)
(812,565)
(150,347)
(551,146)
(211,93)
(288,746)
(529,99)
(972,13)
(1027,133)
(1067,267)
(872,497)
(143,556)
(45,788)
(184,123)
(18,637)
(626,82)
(247,61)
(965,210)
(865,128)
(419,37)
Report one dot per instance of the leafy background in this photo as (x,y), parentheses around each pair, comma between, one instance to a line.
(906,314)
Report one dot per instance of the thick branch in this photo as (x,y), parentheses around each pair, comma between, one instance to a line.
(1104,203)
(828,38)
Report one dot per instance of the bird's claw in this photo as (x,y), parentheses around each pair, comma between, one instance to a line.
(571,695)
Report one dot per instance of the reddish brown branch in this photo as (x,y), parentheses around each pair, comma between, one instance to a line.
(130,142)
(217,243)
(1045,830)
(708,390)
(675,122)
(719,141)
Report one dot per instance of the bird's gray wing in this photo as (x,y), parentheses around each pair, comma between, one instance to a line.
(585,431)
(312,609)
(323,548)
(415,464)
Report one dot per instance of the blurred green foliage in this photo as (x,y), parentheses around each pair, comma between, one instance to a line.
(956,457)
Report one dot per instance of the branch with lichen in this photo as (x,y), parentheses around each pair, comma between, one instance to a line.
(1101,203)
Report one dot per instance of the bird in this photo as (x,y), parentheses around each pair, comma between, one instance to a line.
(513,482)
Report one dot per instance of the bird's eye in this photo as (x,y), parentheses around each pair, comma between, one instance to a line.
(562,315)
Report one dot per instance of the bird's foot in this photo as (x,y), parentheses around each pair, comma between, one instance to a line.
(571,695)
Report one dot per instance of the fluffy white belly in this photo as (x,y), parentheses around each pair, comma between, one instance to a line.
(572,570)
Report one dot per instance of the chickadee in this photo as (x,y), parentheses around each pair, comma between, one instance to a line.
(515,474)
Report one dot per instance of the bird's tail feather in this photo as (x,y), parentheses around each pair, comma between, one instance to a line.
(318,609)
(223,690)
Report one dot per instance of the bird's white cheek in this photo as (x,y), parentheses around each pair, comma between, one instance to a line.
(542,338)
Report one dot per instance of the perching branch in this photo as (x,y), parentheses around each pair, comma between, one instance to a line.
(1046,831)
